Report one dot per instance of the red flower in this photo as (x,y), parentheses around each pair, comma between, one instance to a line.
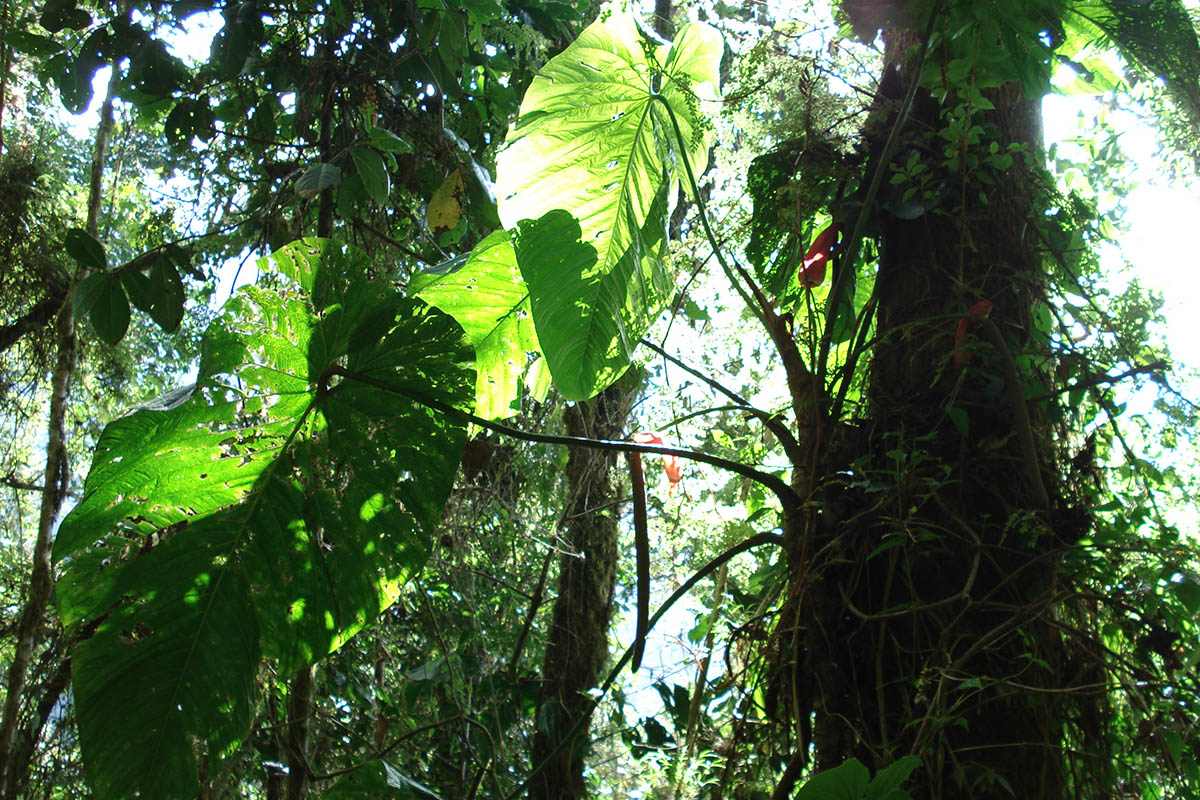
(813,272)
(671,464)
(971,322)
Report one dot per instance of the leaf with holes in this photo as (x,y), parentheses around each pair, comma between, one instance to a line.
(488,297)
(594,140)
(274,511)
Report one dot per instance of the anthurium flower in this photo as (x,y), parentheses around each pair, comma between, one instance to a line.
(971,322)
(813,272)
(671,465)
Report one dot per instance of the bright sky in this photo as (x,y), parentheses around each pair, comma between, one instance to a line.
(1161,218)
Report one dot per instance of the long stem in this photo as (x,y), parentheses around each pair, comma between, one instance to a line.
(850,253)
(749,544)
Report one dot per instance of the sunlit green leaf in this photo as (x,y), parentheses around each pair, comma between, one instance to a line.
(273,512)
(488,297)
(594,141)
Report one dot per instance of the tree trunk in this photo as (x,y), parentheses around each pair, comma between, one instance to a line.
(577,648)
(299,724)
(922,623)
(57,479)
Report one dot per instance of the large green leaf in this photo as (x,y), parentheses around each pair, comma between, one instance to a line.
(594,139)
(847,781)
(488,297)
(378,780)
(1158,34)
(271,511)
(559,264)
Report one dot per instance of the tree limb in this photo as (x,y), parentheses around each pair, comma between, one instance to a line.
(781,490)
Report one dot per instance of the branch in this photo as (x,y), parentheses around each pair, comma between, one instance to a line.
(772,421)
(408,251)
(13,482)
(1097,380)
(37,317)
(787,497)
(705,571)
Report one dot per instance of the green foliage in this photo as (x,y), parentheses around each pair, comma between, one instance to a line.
(591,161)
(851,781)
(280,504)
(150,282)
(376,781)
(487,296)
(274,507)
(1158,35)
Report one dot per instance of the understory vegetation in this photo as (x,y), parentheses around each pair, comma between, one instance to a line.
(554,399)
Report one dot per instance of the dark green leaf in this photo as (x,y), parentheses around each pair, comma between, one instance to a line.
(373,172)
(60,14)
(387,141)
(316,179)
(74,88)
(83,247)
(109,310)
(378,779)
(774,212)
(843,309)
(164,295)
(88,292)
(847,781)
(135,284)
(32,44)
(178,126)
(886,785)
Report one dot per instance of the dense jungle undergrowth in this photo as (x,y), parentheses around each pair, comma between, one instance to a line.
(540,398)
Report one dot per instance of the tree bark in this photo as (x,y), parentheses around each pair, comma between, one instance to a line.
(577,647)
(299,710)
(914,621)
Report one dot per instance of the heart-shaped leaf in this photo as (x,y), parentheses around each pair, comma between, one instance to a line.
(595,139)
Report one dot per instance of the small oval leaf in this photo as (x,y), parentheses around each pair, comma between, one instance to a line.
(316,179)
(84,248)
(110,310)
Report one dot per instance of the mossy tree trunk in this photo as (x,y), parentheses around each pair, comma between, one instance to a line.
(577,647)
(924,598)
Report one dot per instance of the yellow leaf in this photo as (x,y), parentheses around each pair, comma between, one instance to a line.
(445,207)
